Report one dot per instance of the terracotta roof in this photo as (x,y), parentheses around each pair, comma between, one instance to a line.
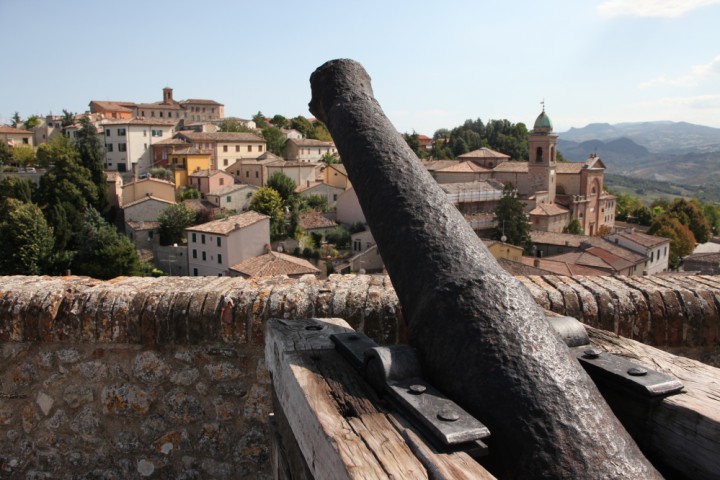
(339,167)
(464,167)
(711,257)
(226,225)
(149,179)
(483,153)
(596,257)
(299,164)
(198,204)
(643,239)
(311,142)
(141,121)
(7,129)
(256,161)
(199,100)
(548,210)
(512,167)
(520,269)
(435,165)
(568,167)
(561,268)
(116,106)
(208,173)
(314,220)
(269,156)
(274,263)
(147,199)
(191,151)
(221,136)
(230,189)
(170,141)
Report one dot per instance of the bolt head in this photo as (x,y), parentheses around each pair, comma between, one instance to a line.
(637,371)
(417,389)
(314,328)
(448,415)
(592,353)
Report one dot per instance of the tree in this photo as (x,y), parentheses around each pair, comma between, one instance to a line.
(16,120)
(460,147)
(162,174)
(6,156)
(92,157)
(339,237)
(68,118)
(284,185)
(17,188)
(32,122)
(190,194)
(413,141)
(320,132)
(625,205)
(279,121)
(511,219)
(268,201)
(26,238)
(682,240)
(173,220)
(690,214)
(233,125)
(104,252)
(275,140)
(330,158)
(315,202)
(574,227)
(24,155)
(260,120)
(302,125)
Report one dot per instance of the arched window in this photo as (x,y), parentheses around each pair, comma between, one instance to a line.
(552,153)
(538,154)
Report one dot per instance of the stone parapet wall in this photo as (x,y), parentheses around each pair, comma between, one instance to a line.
(164,377)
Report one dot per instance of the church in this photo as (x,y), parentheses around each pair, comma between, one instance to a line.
(554,193)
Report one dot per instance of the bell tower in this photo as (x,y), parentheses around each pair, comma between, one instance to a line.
(542,146)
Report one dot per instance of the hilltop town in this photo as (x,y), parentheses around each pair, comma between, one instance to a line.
(199,194)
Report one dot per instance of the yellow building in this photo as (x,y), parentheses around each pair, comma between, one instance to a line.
(185,161)
(504,250)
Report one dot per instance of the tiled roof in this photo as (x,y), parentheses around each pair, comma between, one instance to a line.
(569,167)
(299,164)
(226,225)
(483,153)
(310,142)
(141,121)
(435,165)
(199,100)
(339,167)
(274,263)
(257,161)
(512,167)
(147,199)
(561,268)
(269,156)
(191,151)
(116,106)
(464,167)
(314,220)
(476,187)
(643,239)
(222,136)
(7,129)
(170,141)
(520,269)
(230,189)
(548,209)
(207,173)
(711,258)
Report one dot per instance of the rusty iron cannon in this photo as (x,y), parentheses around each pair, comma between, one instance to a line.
(481,337)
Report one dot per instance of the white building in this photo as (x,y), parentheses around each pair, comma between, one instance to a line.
(215,246)
(655,249)
(128,142)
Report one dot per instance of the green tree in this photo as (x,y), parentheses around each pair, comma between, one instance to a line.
(302,125)
(6,156)
(511,219)
(92,157)
(284,185)
(260,120)
(643,215)
(413,141)
(459,147)
(279,121)
(190,193)
(26,238)
(682,240)
(68,118)
(275,140)
(338,236)
(268,201)
(24,155)
(17,188)
(315,202)
(574,227)
(330,158)
(32,122)
(320,132)
(233,125)
(690,213)
(104,252)
(162,174)
(173,220)
(16,120)
(625,205)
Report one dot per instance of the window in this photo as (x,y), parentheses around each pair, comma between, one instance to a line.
(122,147)
(109,147)
(538,154)
(145,146)
(161,114)
(121,132)
(249,148)
(152,114)
(218,239)
(221,181)
(204,257)
(195,272)
(107,132)
(247,174)
(257,174)
(228,200)
(334,197)
(194,238)
(219,257)
(144,133)
(202,239)
(259,148)
(652,257)
(225,162)
(225,147)
(194,253)
(237,148)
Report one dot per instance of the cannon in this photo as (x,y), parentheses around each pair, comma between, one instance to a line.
(480,336)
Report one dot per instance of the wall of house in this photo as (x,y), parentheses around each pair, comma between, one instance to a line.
(348,208)
(331,193)
(336,179)
(142,188)
(165,378)
(460,177)
(300,175)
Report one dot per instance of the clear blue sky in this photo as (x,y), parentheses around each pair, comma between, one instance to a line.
(433,64)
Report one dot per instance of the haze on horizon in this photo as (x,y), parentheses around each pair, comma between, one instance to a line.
(433,65)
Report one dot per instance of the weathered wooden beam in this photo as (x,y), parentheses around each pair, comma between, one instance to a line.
(681,431)
(338,424)
(482,338)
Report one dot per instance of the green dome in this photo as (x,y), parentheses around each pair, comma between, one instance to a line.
(543,123)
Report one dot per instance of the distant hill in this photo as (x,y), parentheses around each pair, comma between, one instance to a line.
(658,137)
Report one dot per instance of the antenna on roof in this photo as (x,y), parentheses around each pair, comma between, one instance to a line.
(543,104)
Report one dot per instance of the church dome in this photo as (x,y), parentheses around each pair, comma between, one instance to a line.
(543,123)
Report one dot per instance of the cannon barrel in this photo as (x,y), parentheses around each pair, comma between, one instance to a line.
(481,337)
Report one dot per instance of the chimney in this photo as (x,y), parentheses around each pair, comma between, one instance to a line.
(536,262)
(167,96)
(268,248)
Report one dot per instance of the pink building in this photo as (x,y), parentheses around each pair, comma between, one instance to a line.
(209,181)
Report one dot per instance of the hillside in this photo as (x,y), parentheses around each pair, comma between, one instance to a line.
(649,190)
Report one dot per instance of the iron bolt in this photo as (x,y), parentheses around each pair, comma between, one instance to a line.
(592,353)
(637,371)
(448,415)
(417,389)
(314,328)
